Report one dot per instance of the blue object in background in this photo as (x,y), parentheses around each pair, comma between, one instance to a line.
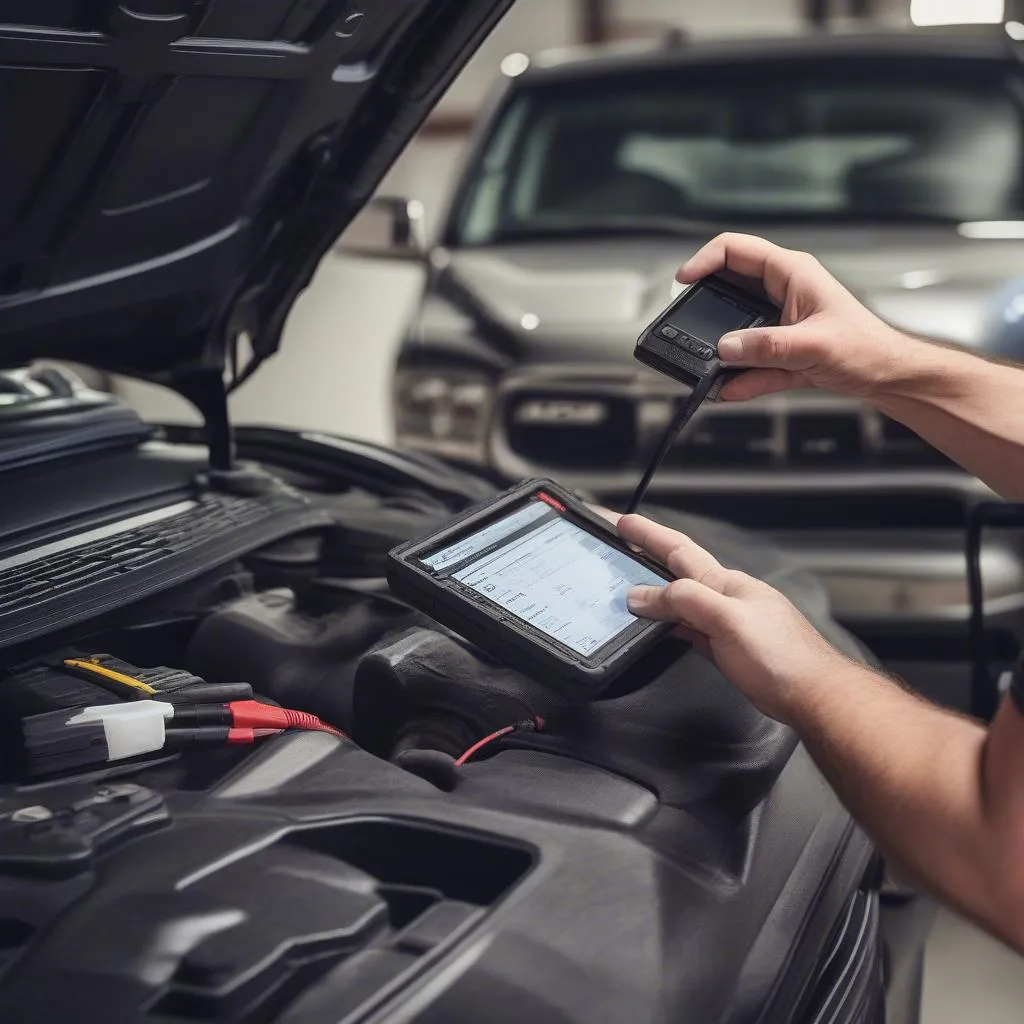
(1003,331)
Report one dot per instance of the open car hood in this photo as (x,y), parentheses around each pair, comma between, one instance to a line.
(175,169)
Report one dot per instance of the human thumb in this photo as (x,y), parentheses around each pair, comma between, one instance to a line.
(763,346)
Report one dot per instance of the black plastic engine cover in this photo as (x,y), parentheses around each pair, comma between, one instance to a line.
(682,857)
(320,875)
(666,854)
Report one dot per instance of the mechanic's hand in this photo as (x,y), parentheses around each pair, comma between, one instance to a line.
(827,339)
(754,635)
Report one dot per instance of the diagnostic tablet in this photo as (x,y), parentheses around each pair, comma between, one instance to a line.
(538,580)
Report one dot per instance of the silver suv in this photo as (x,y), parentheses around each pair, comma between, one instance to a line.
(896,158)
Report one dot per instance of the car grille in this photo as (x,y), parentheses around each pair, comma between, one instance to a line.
(829,439)
(572,431)
(603,429)
(731,439)
(900,446)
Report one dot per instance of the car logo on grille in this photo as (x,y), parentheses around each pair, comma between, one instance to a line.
(548,412)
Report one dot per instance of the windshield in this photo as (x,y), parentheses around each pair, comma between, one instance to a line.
(835,142)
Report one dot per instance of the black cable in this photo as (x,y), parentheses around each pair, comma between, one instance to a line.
(981,684)
(675,429)
(984,690)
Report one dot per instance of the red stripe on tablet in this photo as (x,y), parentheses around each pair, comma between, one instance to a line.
(548,500)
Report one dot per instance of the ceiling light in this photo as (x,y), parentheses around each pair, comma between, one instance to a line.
(957,12)
(914,279)
(515,64)
(1015,30)
(530,322)
(992,229)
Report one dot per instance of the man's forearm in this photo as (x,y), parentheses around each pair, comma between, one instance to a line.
(915,778)
(965,406)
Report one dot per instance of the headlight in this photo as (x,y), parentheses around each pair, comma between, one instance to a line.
(445,414)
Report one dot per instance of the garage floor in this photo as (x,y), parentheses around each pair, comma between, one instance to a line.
(970,978)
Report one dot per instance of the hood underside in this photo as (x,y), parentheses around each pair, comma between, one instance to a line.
(175,169)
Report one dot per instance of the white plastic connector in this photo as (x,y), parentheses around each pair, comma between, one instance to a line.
(138,727)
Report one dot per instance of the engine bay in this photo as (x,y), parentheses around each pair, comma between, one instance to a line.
(312,873)
(239,779)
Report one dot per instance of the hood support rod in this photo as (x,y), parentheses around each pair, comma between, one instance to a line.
(204,388)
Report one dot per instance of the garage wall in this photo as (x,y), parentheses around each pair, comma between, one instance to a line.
(722,17)
(715,16)
(529,26)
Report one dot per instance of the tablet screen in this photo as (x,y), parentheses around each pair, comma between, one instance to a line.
(550,573)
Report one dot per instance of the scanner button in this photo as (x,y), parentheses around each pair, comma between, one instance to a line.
(669,332)
(705,352)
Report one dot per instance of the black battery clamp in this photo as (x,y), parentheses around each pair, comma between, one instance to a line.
(683,341)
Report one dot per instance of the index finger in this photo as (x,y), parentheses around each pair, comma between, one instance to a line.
(748,256)
(673,549)
(605,513)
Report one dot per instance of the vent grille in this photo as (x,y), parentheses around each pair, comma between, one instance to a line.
(118,554)
(849,988)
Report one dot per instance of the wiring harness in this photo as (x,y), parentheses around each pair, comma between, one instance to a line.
(147,720)
(72,739)
(535,724)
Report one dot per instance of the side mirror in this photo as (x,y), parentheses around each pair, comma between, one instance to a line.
(388,227)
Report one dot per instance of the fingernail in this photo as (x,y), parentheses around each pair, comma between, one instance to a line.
(638,599)
(730,348)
